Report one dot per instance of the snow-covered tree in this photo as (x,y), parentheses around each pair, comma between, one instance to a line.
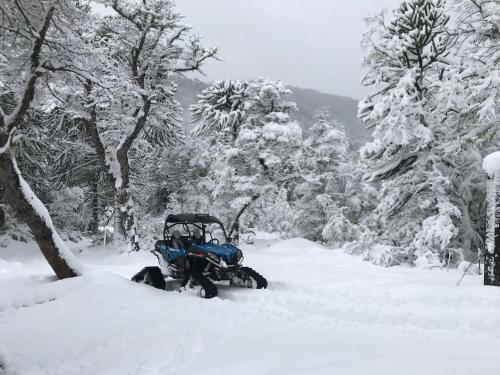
(324,153)
(221,108)
(332,199)
(249,130)
(57,142)
(41,42)
(178,179)
(478,30)
(143,46)
(471,91)
(406,60)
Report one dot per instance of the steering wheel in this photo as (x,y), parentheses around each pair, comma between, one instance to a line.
(215,241)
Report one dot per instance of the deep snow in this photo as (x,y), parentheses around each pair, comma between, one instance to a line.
(325,312)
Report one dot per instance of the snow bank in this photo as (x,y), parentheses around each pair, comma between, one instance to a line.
(267,236)
(325,312)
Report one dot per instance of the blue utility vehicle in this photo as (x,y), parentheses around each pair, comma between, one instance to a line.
(196,250)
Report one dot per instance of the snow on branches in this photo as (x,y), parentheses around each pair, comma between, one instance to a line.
(42,44)
(405,62)
(144,46)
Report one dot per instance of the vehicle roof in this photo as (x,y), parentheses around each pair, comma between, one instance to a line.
(192,218)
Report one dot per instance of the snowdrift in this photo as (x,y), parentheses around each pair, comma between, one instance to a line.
(324,312)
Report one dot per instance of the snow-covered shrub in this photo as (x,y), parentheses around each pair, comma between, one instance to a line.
(388,256)
(274,214)
(68,209)
(14,229)
(433,241)
(339,229)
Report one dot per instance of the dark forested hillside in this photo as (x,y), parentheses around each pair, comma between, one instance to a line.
(309,102)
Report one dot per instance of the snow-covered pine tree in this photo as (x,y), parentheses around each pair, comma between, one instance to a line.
(478,29)
(471,93)
(271,140)
(254,142)
(323,154)
(221,108)
(144,46)
(332,200)
(41,44)
(406,58)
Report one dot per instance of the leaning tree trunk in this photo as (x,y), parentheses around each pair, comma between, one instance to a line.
(16,191)
(235,227)
(30,209)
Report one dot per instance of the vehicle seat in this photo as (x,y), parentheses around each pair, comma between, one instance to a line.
(197,237)
(176,240)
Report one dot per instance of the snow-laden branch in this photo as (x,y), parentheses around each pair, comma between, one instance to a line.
(196,56)
(28,93)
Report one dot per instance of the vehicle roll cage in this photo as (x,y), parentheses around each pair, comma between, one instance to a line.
(199,221)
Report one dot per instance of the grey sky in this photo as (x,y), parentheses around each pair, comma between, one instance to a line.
(307,43)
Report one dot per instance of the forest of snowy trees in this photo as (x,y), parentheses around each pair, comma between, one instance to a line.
(90,123)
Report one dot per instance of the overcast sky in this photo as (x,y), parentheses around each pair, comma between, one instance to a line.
(307,43)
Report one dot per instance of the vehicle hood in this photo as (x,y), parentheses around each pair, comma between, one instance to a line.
(226,251)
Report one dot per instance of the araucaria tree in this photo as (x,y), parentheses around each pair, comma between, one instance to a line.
(143,46)
(249,128)
(406,61)
(40,43)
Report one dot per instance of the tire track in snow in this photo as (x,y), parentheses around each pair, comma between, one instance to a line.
(333,306)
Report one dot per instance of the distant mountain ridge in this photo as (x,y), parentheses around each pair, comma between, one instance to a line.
(309,102)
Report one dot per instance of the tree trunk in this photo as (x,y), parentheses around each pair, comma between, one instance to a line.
(235,228)
(124,216)
(29,208)
(2,219)
(492,253)
(468,230)
(94,226)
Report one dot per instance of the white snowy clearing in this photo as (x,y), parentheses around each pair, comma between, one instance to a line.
(325,312)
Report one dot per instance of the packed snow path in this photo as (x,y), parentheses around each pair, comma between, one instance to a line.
(324,313)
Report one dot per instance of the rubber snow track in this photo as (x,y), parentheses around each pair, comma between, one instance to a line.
(323,313)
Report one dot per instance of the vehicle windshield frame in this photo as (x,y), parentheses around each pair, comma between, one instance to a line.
(201,225)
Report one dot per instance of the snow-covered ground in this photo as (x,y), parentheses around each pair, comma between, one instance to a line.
(325,312)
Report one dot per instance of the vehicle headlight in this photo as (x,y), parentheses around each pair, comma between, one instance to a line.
(214,257)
